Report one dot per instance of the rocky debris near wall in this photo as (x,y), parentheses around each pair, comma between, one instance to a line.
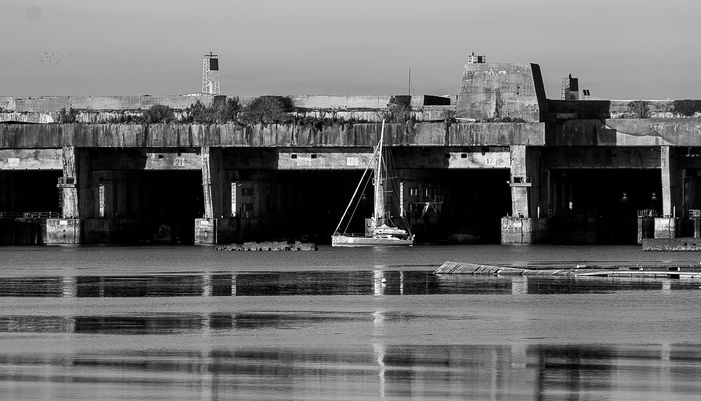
(268,246)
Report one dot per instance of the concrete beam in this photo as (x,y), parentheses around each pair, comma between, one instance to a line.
(626,132)
(180,136)
(323,160)
(599,157)
(25,159)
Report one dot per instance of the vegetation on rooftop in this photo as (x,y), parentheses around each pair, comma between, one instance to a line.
(687,107)
(67,116)
(639,108)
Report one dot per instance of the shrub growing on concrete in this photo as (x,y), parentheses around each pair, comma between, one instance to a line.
(67,117)
(687,107)
(226,109)
(222,110)
(639,108)
(398,109)
(158,113)
(268,110)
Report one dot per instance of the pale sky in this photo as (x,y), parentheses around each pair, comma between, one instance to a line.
(620,49)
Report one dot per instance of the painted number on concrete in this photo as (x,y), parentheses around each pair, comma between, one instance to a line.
(490,161)
(352,161)
(179,162)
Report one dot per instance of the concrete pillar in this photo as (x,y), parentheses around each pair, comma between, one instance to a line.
(67,230)
(216,226)
(520,227)
(666,226)
(519,186)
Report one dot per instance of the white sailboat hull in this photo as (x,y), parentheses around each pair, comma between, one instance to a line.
(341,240)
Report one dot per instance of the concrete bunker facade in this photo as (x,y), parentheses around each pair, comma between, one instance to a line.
(513,168)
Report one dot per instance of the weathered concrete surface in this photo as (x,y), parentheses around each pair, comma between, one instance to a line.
(32,136)
(672,244)
(63,231)
(323,160)
(625,132)
(605,109)
(351,102)
(213,231)
(497,134)
(517,230)
(519,190)
(34,118)
(666,227)
(31,159)
(501,90)
(45,104)
(600,157)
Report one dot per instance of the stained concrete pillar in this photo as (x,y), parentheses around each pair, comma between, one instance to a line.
(216,226)
(520,227)
(520,181)
(67,230)
(667,225)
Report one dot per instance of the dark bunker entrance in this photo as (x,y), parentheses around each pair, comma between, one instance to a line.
(308,205)
(457,205)
(31,193)
(170,203)
(601,205)
(440,205)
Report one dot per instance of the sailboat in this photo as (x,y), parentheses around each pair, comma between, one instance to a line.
(379,230)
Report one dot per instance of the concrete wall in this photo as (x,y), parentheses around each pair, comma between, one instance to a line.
(31,136)
(46,104)
(603,109)
(30,159)
(500,90)
(625,132)
(598,157)
(353,102)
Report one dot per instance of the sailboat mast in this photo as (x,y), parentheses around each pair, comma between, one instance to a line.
(379,212)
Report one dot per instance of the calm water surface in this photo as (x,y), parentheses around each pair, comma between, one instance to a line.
(191,323)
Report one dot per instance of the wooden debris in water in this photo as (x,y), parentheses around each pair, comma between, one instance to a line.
(672,272)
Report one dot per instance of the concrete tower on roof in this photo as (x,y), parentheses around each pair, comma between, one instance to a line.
(210,74)
(501,91)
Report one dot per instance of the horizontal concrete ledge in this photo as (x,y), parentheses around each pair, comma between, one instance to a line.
(38,136)
(626,132)
(672,244)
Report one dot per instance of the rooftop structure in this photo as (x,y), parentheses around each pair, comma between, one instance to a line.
(210,74)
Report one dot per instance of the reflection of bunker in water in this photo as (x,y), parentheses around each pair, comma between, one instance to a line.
(361,282)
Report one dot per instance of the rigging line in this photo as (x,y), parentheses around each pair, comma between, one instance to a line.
(394,187)
(345,229)
(354,193)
